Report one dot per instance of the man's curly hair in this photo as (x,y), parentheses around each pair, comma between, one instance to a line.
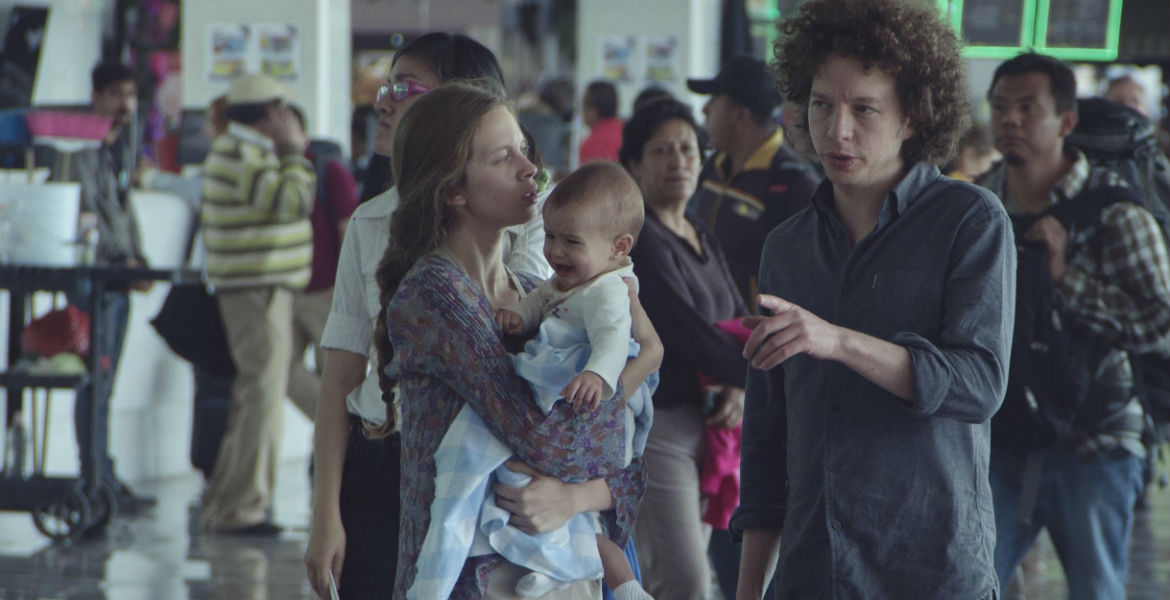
(905,38)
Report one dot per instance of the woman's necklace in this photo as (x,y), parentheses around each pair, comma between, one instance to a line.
(498,292)
(498,289)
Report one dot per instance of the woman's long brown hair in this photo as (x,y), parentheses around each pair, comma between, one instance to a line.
(432,145)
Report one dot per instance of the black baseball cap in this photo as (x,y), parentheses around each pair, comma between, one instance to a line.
(747,80)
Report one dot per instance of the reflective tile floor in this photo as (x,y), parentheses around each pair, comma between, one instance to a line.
(160,556)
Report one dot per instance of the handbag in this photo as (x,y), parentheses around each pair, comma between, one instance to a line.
(192,327)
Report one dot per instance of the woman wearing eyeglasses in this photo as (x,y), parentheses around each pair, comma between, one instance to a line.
(354,528)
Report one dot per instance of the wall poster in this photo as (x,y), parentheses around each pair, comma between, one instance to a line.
(238,48)
(227,47)
(662,58)
(279,49)
(618,53)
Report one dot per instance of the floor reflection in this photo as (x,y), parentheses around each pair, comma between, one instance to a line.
(162,556)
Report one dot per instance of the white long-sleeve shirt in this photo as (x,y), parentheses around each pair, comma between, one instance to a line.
(356,297)
(601,307)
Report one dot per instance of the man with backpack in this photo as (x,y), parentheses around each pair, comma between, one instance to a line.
(1093,289)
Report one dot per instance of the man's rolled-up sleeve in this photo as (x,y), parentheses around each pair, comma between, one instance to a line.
(763,492)
(963,374)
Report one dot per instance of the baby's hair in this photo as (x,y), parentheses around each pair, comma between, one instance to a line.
(609,191)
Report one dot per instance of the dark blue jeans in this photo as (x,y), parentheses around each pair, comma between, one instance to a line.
(91,413)
(1087,507)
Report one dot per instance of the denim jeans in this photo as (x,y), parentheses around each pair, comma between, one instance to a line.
(93,416)
(1087,506)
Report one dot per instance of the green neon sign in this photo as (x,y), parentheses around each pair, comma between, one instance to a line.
(1066,29)
(1058,42)
(1004,28)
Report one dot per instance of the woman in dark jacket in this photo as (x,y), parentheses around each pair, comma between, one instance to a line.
(686,288)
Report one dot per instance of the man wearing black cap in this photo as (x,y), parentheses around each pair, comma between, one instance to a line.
(754,181)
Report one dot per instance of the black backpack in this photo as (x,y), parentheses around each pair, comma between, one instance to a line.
(1051,392)
(1123,140)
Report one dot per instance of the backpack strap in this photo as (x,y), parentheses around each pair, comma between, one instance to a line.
(1085,208)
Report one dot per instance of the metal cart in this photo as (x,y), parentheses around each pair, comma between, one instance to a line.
(62,508)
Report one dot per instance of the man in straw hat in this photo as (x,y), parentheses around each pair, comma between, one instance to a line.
(257,196)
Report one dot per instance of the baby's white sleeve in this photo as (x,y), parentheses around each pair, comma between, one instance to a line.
(531,306)
(607,323)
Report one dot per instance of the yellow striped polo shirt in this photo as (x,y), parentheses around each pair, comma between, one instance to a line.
(255,212)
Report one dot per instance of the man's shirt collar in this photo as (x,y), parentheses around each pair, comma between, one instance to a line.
(1068,186)
(760,160)
(897,202)
(249,134)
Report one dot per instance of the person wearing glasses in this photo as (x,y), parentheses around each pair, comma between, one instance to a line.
(354,529)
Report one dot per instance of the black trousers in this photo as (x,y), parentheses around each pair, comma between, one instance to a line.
(369,512)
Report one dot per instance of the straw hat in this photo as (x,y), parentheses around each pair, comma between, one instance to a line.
(256,88)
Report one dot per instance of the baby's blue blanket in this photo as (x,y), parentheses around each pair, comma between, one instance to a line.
(465,520)
(557,354)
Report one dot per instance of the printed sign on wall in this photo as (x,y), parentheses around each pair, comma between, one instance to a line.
(238,48)
(618,53)
(662,60)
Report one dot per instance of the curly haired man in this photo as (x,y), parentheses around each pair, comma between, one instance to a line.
(873,380)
